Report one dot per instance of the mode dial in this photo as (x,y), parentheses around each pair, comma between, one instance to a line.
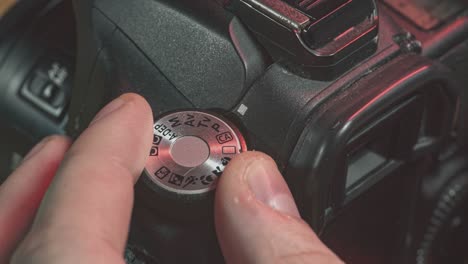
(190,151)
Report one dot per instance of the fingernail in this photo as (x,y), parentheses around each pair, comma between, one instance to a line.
(269,187)
(111,107)
(37,148)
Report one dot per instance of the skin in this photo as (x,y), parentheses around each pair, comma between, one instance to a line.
(71,203)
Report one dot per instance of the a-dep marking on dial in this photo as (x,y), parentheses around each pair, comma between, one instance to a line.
(190,151)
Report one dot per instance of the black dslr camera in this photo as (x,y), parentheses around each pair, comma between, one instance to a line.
(362,104)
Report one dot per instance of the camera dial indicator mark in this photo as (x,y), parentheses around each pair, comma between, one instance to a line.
(191,150)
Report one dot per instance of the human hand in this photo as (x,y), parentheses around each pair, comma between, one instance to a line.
(85,214)
(72,203)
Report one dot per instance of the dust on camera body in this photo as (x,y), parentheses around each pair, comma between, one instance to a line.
(360,103)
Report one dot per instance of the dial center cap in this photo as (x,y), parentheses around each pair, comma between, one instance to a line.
(190,151)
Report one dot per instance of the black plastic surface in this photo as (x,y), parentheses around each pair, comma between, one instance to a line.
(189,55)
(457,60)
(41,37)
(182,49)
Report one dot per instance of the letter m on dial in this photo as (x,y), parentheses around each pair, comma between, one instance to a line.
(175,122)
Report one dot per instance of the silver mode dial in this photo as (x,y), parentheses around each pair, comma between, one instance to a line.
(190,151)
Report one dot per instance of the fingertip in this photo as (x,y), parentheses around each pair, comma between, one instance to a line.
(121,132)
(139,102)
(233,177)
(140,116)
(231,186)
(134,97)
(58,141)
(132,102)
(255,175)
(139,110)
(56,144)
(242,158)
(257,220)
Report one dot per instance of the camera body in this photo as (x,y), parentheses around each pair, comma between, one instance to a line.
(354,101)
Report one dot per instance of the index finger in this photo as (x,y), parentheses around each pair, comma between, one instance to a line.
(90,200)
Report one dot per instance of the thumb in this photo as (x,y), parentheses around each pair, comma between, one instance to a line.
(257,220)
